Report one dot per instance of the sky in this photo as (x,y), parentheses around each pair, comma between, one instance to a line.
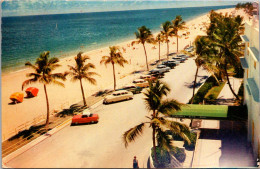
(42,7)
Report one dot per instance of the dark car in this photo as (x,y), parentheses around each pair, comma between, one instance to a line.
(132,88)
(170,64)
(179,59)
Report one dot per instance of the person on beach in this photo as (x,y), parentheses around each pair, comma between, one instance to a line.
(135,163)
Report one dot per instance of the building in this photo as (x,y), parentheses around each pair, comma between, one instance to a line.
(250,64)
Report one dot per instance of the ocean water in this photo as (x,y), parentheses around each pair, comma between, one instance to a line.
(25,37)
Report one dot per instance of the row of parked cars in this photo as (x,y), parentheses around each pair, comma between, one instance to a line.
(127,92)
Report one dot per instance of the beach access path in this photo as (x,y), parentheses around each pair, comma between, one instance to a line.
(101,145)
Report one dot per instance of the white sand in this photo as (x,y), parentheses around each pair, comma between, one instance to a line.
(20,116)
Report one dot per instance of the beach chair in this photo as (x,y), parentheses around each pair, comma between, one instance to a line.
(31,91)
(17,97)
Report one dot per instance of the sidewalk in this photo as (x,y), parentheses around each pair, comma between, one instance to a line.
(226,97)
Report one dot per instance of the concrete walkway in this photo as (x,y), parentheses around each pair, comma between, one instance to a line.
(226,97)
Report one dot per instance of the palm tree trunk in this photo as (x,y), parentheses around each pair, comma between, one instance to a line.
(159,51)
(194,85)
(154,145)
(167,49)
(146,58)
(84,100)
(48,111)
(177,41)
(114,74)
(215,78)
(229,84)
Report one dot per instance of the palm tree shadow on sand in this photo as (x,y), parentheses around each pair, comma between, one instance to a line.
(198,84)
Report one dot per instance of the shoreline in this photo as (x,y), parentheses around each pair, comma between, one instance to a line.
(68,55)
(60,98)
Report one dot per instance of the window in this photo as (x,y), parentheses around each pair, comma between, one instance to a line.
(255,64)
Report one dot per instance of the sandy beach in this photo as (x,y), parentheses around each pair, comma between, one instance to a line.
(32,110)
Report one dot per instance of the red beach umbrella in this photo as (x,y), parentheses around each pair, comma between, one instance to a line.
(31,91)
(17,97)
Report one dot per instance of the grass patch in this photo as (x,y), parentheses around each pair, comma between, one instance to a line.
(203,90)
(214,92)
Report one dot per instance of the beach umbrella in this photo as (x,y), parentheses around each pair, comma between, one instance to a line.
(31,91)
(17,97)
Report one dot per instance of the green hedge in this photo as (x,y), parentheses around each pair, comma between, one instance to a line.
(199,96)
(192,137)
(179,154)
(163,158)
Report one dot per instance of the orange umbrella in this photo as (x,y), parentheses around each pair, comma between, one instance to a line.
(17,97)
(31,91)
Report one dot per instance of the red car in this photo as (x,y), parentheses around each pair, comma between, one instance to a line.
(85,117)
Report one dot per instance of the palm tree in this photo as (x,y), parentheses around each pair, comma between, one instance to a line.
(143,35)
(159,39)
(204,52)
(43,68)
(81,71)
(159,109)
(167,32)
(225,36)
(178,24)
(115,57)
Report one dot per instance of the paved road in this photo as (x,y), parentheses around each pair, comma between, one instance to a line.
(100,145)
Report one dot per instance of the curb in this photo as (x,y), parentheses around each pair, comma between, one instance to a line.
(28,146)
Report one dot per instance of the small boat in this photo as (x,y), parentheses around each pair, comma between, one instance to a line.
(31,91)
(17,97)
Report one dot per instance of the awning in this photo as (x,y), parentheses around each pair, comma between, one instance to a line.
(254,90)
(244,38)
(202,111)
(254,52)
(218,112)
(243,63)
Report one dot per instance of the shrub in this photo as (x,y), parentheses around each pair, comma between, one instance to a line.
(192,137)
(199,96)
(163,158)
(179,154)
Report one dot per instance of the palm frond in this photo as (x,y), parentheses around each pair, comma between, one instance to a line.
(131,134)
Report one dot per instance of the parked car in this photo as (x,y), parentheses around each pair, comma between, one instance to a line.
(179,59)
(171,54)
(183,56)
(132,88)
(85,117)
(148,77)
(163,67)
(141,83)
(174,61)
(189,49)
(118,96)
(155,62)
(170,64)
(156,71)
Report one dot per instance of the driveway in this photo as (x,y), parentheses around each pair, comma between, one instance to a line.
(100,145)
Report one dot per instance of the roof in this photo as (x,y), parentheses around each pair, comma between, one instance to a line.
(244,38)
(243,63)
(203,111)
(86,112)
(254,90)
(119,91)
(254,52)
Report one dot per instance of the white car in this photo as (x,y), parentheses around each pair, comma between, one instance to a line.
(118,96)
(141,83)
(182,56)
(164,67)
